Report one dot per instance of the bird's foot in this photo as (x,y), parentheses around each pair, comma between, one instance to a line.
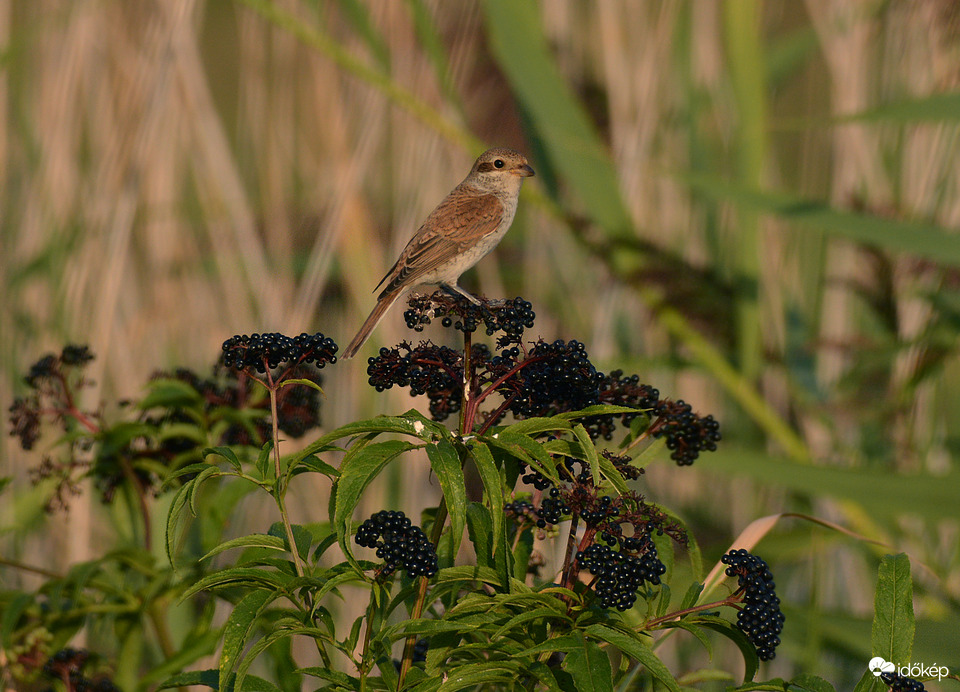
(455,290)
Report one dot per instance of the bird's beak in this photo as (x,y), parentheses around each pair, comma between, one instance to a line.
(523,171)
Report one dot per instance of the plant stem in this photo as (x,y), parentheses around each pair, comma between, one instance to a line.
(731,600)
(467,419)
(279,490)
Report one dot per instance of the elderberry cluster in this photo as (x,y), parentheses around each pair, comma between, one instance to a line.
(508,316)
(420,650)
(542,380)
(51,380)
(398,543)
(686,433)
(67,665)
(436,371)
(557,377)
(760,618)
(259,352)
(900,683)
(620,574)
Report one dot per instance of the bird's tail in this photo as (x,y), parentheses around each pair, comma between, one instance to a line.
(383,304)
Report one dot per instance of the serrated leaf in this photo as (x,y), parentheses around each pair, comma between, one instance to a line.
(537,426)
(256,540)
(410,423)
(12,611)
(747,649)
(448,468)
(173,517)
(526,616)
(224,452)
(169,393)
(480,533)
(527,450)
(563,643)
(362,463)
(302,381)
(194,485)
(333,676)
(468,574)
(301,536)
(805,682)
(312,464)
(240,576)
(893,619)
(633,646)
(237,629)
(258,648)
(263,460)
(589,451)
(209,678)
(691,596)
(589,666)
(493,488)
(870,683)
(487,673)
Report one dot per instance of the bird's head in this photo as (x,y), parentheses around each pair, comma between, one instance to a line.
(500,170)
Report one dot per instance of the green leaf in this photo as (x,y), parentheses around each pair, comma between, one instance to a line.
(256,540)
(258,648)
(487,673)
(263,460)
(312,464)
(538,426)
(237,630)
(194,485)
(209,678)
(12,611)
(589,666)
(589,451)
(527,450)
(248,577)
(893,620)
(302,381)
(805,682)
(717,624)
(634,646)
(173,517)
(224,452)
(302,536)
(446,464)
(333,676)
(169,393)
(362,463)
(493,487)
(467,573)
(410,423)
(527,615)
(870,683)
(480,533)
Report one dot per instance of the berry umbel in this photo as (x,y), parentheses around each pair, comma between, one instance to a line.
(531,379)
(760,617)
(398,543)
(900,683)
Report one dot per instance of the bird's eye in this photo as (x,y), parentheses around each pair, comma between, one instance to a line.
(498,163)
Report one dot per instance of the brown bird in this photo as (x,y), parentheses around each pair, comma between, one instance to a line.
(466,226)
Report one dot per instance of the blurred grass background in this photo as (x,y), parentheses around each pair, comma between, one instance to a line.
(751,204)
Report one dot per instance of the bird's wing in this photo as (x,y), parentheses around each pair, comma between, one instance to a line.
(458,223)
